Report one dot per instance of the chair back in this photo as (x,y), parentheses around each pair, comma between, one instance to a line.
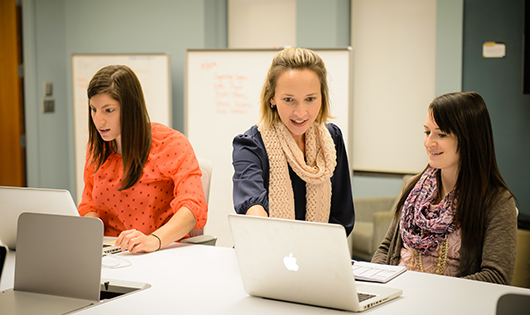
(206,178)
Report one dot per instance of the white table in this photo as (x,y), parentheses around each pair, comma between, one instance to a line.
(202,279)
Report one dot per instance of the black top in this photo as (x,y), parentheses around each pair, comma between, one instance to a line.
(251,179)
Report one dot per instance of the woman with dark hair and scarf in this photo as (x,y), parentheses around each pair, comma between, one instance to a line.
(458,217)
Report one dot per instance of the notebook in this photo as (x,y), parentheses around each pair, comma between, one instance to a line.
(51,279)
(302,262)
(17,200)
(367,271)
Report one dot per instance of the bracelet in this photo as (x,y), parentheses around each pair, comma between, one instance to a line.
(159,241)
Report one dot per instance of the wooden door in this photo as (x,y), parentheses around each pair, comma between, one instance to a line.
(12,153)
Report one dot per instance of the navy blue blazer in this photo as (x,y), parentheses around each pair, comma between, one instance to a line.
(251,179)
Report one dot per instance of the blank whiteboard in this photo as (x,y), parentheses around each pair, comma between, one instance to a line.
(222,89)
(394,44)
(153,71)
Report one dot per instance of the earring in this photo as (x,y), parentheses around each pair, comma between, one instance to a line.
(272,106)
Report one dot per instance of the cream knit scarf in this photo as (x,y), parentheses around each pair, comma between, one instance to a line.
(316,170)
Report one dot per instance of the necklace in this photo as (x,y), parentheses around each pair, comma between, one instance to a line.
(442,258)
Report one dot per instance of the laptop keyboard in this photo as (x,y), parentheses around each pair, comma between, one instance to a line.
(364,296)
(110,249)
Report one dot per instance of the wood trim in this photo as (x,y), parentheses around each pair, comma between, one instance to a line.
(12,155)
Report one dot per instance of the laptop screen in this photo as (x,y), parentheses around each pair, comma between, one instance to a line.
(17,200)
(59,255)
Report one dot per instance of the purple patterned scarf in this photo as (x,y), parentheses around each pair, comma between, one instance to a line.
(417,216)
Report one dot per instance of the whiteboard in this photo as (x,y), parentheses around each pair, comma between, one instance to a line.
(394,81)
(222,90)
(153,71)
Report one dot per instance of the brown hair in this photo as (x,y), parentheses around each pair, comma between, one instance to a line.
(293,59)
(479,185)
(122,85)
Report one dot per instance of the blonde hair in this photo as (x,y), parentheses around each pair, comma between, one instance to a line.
(293,59)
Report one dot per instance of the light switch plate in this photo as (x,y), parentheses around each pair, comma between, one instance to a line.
(48,89)
(48,106)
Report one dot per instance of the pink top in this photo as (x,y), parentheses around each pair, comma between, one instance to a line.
(171,180)
(430,260)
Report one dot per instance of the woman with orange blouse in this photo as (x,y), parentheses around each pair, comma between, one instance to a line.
(142,179)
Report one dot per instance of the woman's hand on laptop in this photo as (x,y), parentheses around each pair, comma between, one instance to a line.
(135,241)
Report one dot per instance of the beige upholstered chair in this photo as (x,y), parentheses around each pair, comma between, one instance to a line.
(372,219)
(521,276)
(198,236)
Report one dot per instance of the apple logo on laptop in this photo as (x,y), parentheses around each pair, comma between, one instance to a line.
(290,262)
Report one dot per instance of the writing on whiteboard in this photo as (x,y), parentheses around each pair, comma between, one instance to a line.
(229,94)
(229,90)
(208,65)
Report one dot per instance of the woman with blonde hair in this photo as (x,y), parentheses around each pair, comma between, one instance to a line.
(293,164)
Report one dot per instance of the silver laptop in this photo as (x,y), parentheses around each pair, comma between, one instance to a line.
(51,279)
(17,200)
(302,262)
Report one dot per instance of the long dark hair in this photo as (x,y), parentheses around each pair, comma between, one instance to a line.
(479,185)
(121,84)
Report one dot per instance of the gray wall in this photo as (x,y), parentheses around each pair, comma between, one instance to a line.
(53,30)
(323,24)
(45,60)
(499,81)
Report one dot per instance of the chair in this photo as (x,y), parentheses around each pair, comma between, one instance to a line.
(521,277)
(197,236)
(513,304)
(372,218)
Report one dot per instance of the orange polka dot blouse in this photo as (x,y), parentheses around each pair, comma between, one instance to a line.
(171,180)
